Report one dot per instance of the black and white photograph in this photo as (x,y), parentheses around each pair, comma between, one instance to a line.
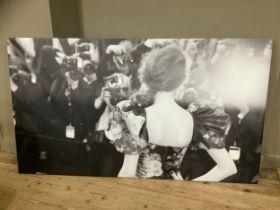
(179,109)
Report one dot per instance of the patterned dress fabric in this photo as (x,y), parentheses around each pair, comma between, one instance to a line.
(157,161)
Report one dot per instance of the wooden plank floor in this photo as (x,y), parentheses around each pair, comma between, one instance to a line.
(42,192)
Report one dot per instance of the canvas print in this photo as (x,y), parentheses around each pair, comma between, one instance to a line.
(178,109)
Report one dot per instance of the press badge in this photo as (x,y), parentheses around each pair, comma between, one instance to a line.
(70,131)
(234,152)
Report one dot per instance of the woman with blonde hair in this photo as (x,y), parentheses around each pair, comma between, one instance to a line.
(157,131)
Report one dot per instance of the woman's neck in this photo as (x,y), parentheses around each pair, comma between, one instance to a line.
(163,98)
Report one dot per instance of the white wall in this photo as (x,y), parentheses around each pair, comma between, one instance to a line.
(25,18)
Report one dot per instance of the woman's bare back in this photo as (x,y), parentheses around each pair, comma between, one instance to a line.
(169,125)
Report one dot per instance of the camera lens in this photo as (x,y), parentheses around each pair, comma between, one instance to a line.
(89,68)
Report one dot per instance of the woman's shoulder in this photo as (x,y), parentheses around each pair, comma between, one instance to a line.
(212,124)
(188,124)
(186,116)
(176,113)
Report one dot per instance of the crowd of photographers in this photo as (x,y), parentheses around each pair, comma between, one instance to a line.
(65,88)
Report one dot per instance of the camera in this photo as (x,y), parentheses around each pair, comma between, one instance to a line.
(123,59)
(70,63)
(118,87)
(89,67)
(19,77)
(83,47)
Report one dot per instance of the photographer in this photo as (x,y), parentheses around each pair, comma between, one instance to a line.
(105,160)
(29,98)
(125,57)
(49,54)
(74,94)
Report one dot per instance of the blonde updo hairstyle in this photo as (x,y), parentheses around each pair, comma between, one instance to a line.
(163,69)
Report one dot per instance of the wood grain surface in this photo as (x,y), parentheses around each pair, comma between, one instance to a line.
(45,192)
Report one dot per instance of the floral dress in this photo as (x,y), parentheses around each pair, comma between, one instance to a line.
(156,161)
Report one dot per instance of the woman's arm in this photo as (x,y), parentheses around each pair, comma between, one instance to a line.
(129,166)
(225,166)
